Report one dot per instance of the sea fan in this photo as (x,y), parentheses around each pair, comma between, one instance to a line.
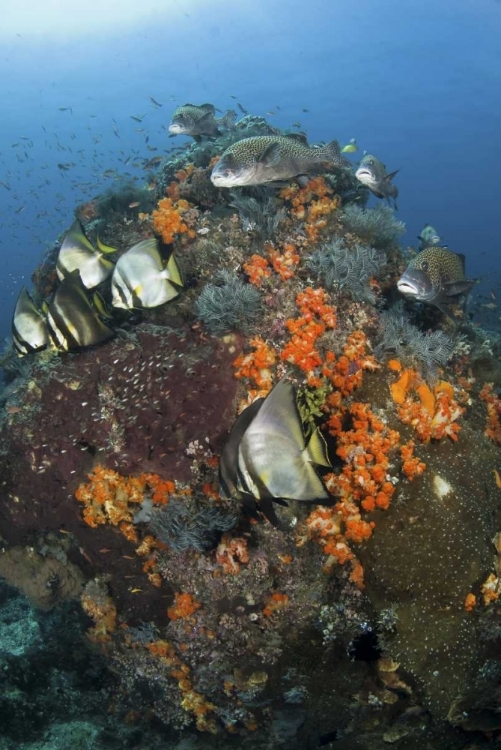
(259,215)
(409,344)
(182,527)
(228,305)
(348,268)
(377,226)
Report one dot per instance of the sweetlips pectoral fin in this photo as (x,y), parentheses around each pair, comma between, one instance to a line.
(316,450)
(270,156)
(390,176)
(206,119)
(455,288)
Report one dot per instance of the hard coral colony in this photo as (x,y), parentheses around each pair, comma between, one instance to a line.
(198,603)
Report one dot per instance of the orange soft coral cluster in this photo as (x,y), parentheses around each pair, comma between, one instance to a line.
(345,372)
(493,404)
(434,413)
(365,450)
(184,606)
(168,220)
(255,366)
(412,467)
(257,268)
(181,176)
(231,552)
(283,263)
(109,497)
(316,316)
(362,486)
(275,603)
(192,702)
(99,606)
(311,204)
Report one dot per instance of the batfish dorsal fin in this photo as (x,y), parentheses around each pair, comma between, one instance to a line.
(279,413)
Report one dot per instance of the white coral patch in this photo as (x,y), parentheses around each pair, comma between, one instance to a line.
(441,487)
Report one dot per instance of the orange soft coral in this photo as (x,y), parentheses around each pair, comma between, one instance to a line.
(256,365)
(311,204)
(411,465)
(257,269)
(98,604)
(493,404)
(435,413)
(275,603)
(184,606)
(316,316)
(231,552)
(168,220)
(109,497)
(284,263)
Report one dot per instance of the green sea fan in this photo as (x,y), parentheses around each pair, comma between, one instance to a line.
(259,214)
(347,268)
(376,226)
(183,526)
(405,341)
(228,305)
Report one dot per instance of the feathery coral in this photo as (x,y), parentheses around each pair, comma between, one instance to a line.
(349,268)
(228,304)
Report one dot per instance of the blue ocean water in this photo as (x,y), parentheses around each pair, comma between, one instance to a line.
(416,83)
